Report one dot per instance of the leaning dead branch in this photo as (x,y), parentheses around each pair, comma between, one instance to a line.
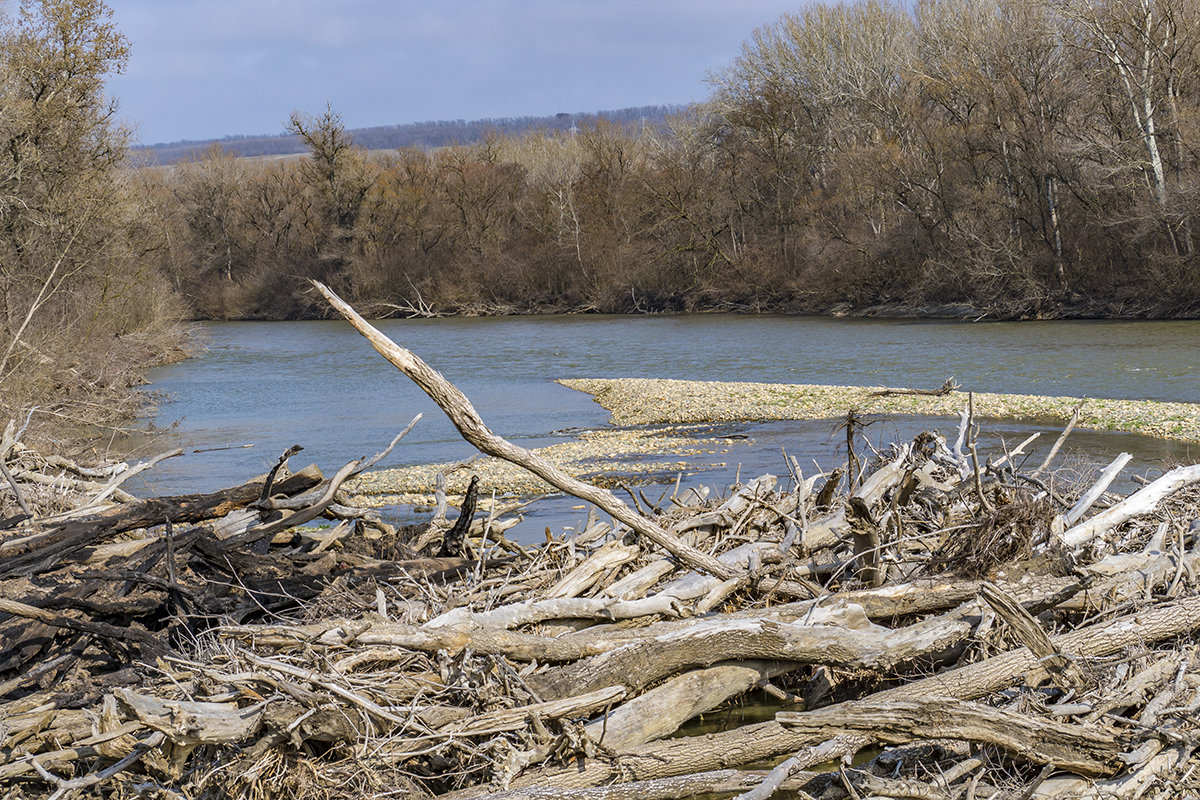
(460,411)
(956,631)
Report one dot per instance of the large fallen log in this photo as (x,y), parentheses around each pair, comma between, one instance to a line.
(1085,749)
(640,663)
(662,710)
(763,741)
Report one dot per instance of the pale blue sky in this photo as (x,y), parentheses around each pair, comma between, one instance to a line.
(210,68)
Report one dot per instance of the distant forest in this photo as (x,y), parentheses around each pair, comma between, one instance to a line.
(421,135)
(998,158)
(1007,158)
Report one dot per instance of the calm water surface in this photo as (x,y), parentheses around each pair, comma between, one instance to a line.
(319,384)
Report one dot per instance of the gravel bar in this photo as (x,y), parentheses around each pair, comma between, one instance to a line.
(611,455)
(603,457)
(645,401)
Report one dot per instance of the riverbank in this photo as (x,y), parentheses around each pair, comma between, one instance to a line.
(651,401)
(1071,309)
(68,410)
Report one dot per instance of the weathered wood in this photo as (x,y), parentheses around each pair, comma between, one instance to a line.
(25,552)
(583,576)
(727,513)
(16,487)
(767,740)
(71,484)
(531,611)
(190,723)
(1088,499)
(828,530)
(754,633)
(453,639)
(1122,577)
(683,787)
(1086,749)
(1140,502)
(1127,787)
(636,584)
(660,711)
(882,603)
(1062,437)
(640,663)
(464,417)
(54,759)
(513,718)
(1066,674)
(946,388)
(292,519)
(111,488)
(694,585)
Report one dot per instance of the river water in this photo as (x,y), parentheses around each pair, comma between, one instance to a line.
(319,384)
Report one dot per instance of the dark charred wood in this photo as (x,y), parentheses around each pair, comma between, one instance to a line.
(452,543)
(829,489)
(269,483)
(101,603)
(126,635)
(7,523)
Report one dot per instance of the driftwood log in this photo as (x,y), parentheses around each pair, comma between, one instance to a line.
(932,612)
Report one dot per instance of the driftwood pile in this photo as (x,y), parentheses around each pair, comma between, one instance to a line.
(941,623)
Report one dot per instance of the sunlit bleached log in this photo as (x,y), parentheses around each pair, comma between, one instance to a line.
(464,416)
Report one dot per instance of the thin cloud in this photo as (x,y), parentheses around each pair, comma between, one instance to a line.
(220,67)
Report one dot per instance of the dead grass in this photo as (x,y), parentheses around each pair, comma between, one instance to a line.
(76,377)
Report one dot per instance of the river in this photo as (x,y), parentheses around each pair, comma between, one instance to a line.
(319,384)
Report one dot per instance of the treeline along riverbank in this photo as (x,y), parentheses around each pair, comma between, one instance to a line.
(1007,158)
(84,307)
(1018,158)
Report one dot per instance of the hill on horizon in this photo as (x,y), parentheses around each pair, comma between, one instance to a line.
(424,135)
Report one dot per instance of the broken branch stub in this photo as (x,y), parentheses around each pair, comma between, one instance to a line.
(468,422)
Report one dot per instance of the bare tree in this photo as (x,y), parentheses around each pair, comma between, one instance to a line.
(1145,45)
(339,179)
(70,262)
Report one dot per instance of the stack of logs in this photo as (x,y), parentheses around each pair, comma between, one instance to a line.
(938,626)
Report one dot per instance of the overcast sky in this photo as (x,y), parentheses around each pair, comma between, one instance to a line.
(204,69)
